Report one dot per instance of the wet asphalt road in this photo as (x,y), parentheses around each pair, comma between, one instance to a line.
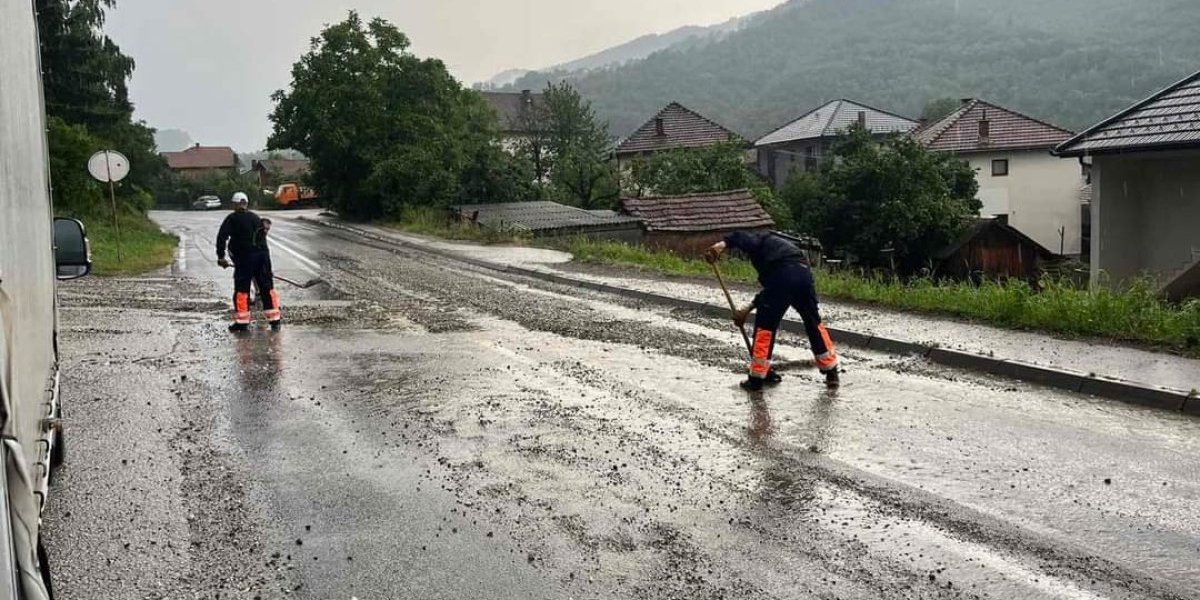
(423,429)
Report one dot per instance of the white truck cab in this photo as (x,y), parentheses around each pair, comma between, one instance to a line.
(35,250)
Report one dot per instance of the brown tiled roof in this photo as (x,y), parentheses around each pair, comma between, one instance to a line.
(1008,130)
(509,107)
(202,157)
(285,167)
(1168,119)
(682,128)
(720,211)
(542,217)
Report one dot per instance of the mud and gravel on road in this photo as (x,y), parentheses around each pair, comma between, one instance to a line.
(423,428)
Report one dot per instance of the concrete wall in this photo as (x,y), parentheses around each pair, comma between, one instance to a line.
(689,244)
(1039,195)
(778,163)
(1145,215)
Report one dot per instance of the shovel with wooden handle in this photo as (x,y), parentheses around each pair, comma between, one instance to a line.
(732,307)
(303,286)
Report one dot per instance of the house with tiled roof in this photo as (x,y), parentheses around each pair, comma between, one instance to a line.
(200,161)
(690,223)
(515,113)
(1020,182)
(1145,172)
(674,127)
(800,145)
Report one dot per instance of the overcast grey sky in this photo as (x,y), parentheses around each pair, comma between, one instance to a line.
(209,66)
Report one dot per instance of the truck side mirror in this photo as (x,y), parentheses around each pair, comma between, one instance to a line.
(72,252)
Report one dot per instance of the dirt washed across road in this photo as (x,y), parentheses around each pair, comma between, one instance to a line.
(424,429)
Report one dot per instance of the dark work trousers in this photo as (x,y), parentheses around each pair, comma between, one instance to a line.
(254,267)
(789,285)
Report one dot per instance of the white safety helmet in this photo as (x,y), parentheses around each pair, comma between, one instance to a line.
(241,198)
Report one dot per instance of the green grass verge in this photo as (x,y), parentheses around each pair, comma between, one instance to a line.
(1132,315)
(144,247)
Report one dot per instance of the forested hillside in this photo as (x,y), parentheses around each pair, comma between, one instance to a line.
(1068,61)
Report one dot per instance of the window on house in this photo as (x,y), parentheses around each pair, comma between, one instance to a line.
(1000,167)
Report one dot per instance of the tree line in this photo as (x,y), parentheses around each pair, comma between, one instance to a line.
(85,78)
(387,131)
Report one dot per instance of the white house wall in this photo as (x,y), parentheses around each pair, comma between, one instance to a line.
(1039,195)
(1145,214)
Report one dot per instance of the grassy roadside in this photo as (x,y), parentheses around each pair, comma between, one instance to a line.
(1135,315)
(144,247)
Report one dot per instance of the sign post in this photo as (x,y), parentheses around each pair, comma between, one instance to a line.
(110,166)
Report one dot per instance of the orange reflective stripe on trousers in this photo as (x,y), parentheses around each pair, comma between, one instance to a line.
(829,360)
(761,365)
(274,313)
(241,307)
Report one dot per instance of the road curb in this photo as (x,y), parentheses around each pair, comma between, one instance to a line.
(1122,391)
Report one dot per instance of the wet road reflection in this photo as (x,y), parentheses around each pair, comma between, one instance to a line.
(260,361)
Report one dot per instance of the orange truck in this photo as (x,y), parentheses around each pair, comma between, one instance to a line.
(293,195)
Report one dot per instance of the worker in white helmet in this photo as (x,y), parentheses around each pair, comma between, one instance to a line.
(246,238)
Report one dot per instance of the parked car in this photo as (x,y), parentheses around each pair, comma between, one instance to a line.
(206,203)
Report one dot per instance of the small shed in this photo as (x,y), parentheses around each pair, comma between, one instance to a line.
(551,219)
(690,223)
(993,249)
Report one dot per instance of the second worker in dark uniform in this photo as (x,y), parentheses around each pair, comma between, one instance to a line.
(246,238)
(787,280)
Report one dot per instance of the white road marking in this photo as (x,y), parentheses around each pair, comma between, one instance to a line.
(181,252)
(306,263)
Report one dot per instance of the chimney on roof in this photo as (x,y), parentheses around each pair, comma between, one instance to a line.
(985,128)
(659,127)
(862,119)
(197,145)
(527,97)
(965,101)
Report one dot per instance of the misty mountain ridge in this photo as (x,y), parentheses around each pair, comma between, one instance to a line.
(632,50)
(1071,62)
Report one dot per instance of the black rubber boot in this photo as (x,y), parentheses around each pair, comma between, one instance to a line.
(833,379)
(752,384)
(773,378)
(276,325)
(239,328)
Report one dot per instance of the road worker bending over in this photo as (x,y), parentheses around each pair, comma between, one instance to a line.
(246,237)
(787,280)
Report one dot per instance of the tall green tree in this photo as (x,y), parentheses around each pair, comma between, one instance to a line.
(687,170)
(578,150)
(85,77)
(880,201)
(718,168)
(385,129)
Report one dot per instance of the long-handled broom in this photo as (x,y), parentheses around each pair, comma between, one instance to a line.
(732,307)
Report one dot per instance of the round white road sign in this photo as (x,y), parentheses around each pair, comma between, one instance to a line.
(108,165)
